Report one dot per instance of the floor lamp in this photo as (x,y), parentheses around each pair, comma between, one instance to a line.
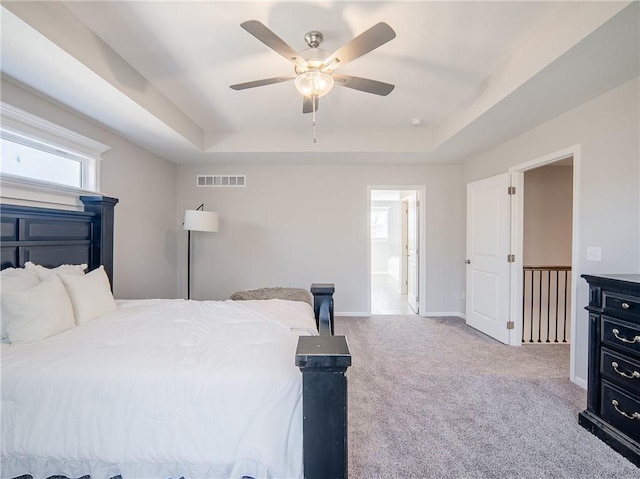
(197,220)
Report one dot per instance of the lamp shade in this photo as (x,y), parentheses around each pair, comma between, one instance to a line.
(197,220)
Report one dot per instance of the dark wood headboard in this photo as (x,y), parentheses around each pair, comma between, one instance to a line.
(52,237)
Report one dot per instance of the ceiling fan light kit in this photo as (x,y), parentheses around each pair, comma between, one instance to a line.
(314,69)
(314,83)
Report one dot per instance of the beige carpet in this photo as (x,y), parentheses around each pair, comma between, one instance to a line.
(432,398)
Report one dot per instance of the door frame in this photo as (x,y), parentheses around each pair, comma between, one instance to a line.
(422,241)
(517,244)
(404,261)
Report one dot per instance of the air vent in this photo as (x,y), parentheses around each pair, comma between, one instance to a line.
(221,180)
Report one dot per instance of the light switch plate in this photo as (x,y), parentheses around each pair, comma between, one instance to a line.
(594,253)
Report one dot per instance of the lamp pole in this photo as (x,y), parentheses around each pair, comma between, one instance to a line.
(188,264)
(197,220)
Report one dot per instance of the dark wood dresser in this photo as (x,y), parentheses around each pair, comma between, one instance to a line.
(613,395)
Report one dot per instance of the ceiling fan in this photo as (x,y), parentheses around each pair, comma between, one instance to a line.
(314,69)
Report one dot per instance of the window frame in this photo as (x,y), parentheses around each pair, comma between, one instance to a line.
(383,212)
(24,128)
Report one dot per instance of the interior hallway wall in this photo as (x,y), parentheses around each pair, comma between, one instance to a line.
(548,196)
(293,225)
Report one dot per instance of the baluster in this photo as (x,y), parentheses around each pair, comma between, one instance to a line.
(564,333)
(548,303)
(539,306)
(524,288)
(531,315)
(555,340)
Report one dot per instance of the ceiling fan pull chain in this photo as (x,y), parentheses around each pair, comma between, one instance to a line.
(313,116)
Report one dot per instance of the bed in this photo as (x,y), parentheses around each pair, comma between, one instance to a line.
(163,388)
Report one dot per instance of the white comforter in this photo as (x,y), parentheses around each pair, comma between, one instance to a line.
(160,389)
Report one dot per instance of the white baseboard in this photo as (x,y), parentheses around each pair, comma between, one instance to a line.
(443,314)
(580,382)
(428,314)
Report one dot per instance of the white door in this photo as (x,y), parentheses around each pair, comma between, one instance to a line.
(412,253)
(404,250)
(488,247)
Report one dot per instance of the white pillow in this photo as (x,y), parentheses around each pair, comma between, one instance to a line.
(44,273)
(90,294)
(18,279)
(15,279)
(38,312)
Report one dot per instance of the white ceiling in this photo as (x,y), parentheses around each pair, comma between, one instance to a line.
(477,73)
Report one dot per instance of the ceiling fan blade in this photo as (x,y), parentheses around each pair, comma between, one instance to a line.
(273,41)
(377,35)
(364,84)
(307,104)
(266,81)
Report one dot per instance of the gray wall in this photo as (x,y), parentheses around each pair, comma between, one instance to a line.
(297,224)
(548,197)
(145,230)
(608,184)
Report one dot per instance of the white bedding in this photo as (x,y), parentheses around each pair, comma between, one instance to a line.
(160,389)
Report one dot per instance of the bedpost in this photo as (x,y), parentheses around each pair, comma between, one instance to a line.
(323,303)
(102,237)
(323,361)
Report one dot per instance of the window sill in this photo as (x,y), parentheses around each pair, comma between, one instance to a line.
(24,191)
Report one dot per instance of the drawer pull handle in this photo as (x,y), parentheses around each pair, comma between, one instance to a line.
(633,375)
(625,305)
(635,415)
(616,333)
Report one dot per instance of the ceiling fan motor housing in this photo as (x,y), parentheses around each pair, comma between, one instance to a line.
(313,38)
(314,57)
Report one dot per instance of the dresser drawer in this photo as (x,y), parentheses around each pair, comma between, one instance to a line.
(621,334)
(614,303)
(621,370)
(621,410)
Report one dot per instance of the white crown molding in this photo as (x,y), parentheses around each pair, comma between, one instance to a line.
(21,123)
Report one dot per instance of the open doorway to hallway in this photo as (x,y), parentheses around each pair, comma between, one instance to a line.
(394,251)
(547,250)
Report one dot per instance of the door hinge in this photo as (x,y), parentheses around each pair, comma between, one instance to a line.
(511,325)
(511,258)
(511,190)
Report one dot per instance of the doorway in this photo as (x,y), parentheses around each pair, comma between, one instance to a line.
(493,290)
(570,158)
(546,257)
(394,251)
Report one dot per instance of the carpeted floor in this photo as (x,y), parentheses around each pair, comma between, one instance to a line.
(433,398)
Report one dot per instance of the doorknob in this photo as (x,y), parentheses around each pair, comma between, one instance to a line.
(467,261)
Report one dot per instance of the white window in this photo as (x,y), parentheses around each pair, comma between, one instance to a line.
(37,154)
(379,223)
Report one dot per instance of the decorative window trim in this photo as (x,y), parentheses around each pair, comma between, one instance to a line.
(22,127)
(26,191)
